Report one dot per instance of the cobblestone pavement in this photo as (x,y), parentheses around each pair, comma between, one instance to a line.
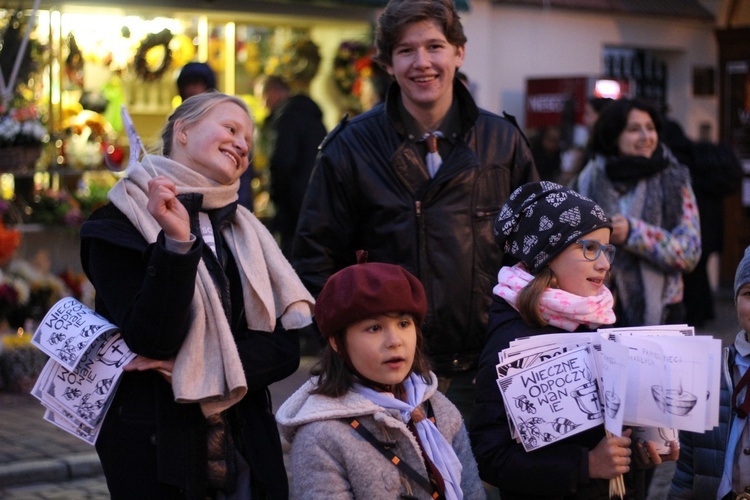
(39,461)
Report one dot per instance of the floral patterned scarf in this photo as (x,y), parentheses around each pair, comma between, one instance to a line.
(558,307)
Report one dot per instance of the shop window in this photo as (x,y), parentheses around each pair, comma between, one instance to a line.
(643,68)
(90,62)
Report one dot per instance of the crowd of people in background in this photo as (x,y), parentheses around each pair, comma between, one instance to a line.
(410,244)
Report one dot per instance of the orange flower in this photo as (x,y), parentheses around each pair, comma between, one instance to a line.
(24,114)
(10,240)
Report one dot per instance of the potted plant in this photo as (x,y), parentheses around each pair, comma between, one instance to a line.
(22,133)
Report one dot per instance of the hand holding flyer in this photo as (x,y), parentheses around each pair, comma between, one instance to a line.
(557,385)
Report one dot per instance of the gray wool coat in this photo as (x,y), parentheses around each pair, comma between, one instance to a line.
(331,460)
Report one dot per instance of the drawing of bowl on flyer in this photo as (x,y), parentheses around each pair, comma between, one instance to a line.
(674,401)
(679,402)
(587,398)
(657,392)
(611,403)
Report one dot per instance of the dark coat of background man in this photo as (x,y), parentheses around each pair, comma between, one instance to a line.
(292,133)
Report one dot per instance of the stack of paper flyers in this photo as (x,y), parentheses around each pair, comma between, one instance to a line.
(558,385)
(78,382)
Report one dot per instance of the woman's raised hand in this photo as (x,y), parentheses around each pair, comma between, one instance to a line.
(164,206)
(620,229)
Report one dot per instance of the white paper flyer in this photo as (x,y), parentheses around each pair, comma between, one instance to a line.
(79,381)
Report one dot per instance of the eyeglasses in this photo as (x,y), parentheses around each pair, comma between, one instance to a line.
(593,249)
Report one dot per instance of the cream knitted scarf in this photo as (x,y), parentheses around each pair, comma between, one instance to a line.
(208,369)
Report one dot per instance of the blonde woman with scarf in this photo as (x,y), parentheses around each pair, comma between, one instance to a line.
(561,242)
(203,295)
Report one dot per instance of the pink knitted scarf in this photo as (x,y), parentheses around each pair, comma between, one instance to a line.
(558,307)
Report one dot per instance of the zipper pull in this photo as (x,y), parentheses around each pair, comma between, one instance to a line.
(418,207)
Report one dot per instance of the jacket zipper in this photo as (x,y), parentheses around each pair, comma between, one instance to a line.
(420,238)
(421,250)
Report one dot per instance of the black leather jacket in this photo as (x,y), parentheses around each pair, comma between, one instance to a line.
(370,190)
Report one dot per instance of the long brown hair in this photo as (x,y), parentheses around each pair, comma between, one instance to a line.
(528,300)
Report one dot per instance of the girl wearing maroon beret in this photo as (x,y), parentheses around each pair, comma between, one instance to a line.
(370,423)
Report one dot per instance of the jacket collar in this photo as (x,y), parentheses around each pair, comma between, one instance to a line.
(193,203)
(467,108)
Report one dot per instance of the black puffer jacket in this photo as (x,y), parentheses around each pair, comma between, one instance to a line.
(370,190)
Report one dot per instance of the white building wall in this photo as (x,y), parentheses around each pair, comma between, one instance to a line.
(508,44)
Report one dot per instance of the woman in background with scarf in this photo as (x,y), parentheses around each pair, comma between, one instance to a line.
(647,194)
(201,292)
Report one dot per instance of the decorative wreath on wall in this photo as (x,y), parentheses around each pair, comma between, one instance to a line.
(298,63)
(147,69)
(353,58)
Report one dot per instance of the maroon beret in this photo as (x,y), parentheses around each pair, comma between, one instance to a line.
(368,289)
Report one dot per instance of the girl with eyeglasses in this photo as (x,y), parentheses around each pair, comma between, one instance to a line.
(561,241)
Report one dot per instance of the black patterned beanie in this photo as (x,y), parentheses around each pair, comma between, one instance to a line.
(540,220)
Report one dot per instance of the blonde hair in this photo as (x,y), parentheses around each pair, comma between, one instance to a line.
(192,110)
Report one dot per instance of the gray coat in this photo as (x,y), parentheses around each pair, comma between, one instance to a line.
(330,460)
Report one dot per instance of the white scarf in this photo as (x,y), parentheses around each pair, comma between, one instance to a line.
(558,307)
(207,368)
(435,445)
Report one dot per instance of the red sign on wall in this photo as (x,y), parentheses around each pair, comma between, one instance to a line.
(549,100)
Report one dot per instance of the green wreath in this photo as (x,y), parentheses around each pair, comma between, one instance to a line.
(298,63)
(345,64)
(142,68)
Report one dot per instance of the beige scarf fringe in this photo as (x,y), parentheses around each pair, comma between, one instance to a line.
(208,369)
